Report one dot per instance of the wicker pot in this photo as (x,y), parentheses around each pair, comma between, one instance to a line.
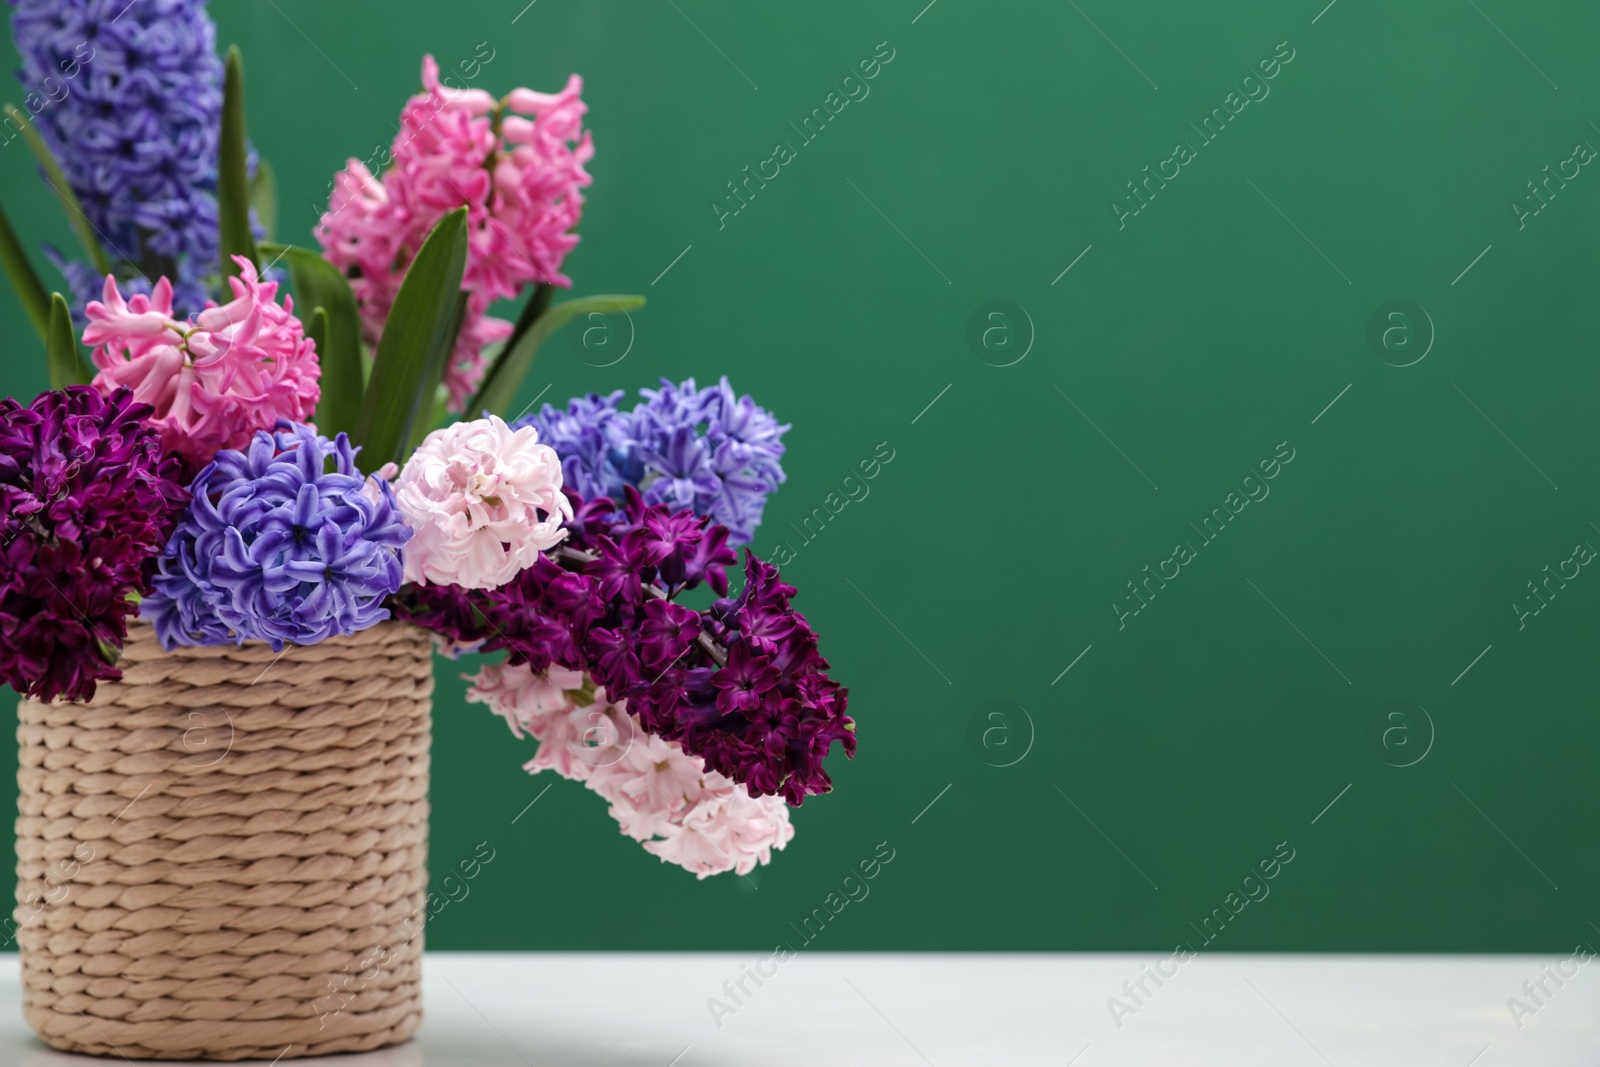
(223,856)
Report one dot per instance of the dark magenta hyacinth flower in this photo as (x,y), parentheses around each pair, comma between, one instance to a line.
(740,684)
(87,500)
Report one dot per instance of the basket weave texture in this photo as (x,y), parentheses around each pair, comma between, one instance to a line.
(223,856)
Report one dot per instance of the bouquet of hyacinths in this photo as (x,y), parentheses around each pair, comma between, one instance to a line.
(230,464)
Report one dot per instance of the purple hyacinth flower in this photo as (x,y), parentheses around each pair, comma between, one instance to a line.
(128,96)
(286,542)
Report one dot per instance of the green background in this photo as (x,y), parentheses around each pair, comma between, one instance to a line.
(1181,749)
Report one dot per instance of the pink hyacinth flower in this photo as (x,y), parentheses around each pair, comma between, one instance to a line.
(660,795)
(235,369)
(484,500)
(522,189)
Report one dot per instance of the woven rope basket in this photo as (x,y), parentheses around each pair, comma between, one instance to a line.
(223,856)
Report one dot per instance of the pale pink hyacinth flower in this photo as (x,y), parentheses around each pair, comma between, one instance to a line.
(235,369)
(483,501)
(521,187)
(660,796)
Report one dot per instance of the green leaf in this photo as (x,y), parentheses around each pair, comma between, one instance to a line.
(500,387)
(24,282)
(417,338)
(317,328)
(264,196)
(319,284)
(81,226)
(233,183)
(61,347)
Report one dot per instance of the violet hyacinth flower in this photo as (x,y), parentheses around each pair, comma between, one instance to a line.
(129,99)
(86,501)
(701,450)
(278,547)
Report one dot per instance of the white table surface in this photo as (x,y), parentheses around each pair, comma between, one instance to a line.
(626,1010)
